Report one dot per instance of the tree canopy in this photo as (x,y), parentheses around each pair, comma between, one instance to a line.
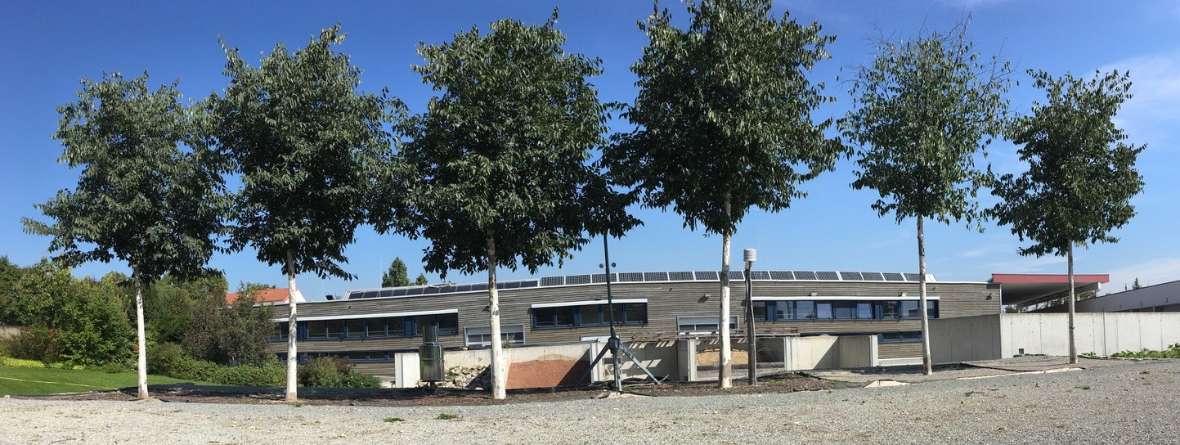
(396,275)
(923,111)
(723,117)
(304,142)
(503,152)
(1081,170)
(140,197)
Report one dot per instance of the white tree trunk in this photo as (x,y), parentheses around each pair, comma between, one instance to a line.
(499,371)
(141,340)
(927,365)
(292,333)
(725,373)
(1073,347)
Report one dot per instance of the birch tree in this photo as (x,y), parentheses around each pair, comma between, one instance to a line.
(304,141)
(498,169)
(924,110)
(723,122)
(149,192)
(1081,171)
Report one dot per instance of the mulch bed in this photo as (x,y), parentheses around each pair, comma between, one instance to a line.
(185,393)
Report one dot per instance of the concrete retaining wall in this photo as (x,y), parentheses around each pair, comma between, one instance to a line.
(1101,333)
(828,352)
(954,340)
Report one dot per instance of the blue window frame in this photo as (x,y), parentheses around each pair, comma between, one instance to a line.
(819,309)
(577,316)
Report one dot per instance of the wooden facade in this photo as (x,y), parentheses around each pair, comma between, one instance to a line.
(665,303)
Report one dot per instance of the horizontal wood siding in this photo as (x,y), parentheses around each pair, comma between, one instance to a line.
(900,350)
(666,302)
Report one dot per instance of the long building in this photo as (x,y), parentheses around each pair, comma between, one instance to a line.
(368,325)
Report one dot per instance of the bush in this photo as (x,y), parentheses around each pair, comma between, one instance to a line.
(332,372)
(1173,351)
(170,359)
(38,343)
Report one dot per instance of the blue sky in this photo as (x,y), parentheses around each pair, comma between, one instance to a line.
(49,46)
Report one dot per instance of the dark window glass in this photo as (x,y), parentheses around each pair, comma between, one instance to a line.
(636,313)
(890,310)
(823,311)
(317,329)
(760,312)
(804,310)
(864,311)
(593,315)
(335,328)
(909,309)
(448,324)
(375,327)
(932,308)
(544,317)
(281,330)
(355,328)
(565,316)
(784,310)
(843,310)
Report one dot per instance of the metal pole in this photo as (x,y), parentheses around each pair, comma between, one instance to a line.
(751,339)
(612,342)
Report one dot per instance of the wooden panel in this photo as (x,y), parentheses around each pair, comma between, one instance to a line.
(900,350)
(666,301)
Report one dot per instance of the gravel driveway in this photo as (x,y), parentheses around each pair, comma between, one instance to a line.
(1133,402)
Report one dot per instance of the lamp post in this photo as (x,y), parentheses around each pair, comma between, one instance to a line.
(750,256)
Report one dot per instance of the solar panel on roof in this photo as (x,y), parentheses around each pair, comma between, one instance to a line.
(893,276)
(736,275)
(706,276)
(630,277)
(827,276)
(386,293)
(414,291)
(552,281)
(398,292)
(372,294)
(804,275)
(680,276)
(872,276)
(528,283)
(759,275)
(913,277)
(479,287)
(446,289)
(601,277)
(850,276)
(577,279)
(430,291)
(655,276)
(354,295)
(781,275)
(463,288)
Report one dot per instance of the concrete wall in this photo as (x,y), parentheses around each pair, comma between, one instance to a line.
(954,340)
(1101,333)
(829,352)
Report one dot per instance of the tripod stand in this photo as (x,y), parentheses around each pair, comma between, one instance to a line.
(613,344)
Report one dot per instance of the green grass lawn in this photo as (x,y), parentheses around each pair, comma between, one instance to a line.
(42,381)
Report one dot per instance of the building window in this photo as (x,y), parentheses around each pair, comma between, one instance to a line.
(588,315)
(354,328)
(448,324)
(317,329)
(795,310)
(704,324)
(899,337)
(481,337)
(280,333)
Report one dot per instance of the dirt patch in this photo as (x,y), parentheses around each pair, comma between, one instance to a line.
(442,396)
(546,373)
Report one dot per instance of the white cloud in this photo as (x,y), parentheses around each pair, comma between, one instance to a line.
(1150,272)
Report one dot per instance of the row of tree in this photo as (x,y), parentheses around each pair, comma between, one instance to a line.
(499,171)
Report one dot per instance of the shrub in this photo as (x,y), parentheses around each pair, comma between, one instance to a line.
(171,360)
(37,343)
(1173,351)
(332,372)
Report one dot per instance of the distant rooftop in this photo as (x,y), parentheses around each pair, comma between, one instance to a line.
(263,296)
(633,277)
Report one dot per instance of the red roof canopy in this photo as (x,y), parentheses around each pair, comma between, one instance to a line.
(262,296)
(1048,278)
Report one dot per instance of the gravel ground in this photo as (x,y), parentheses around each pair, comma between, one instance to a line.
(1133,402)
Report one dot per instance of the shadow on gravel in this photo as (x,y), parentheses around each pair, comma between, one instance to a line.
(189,393)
